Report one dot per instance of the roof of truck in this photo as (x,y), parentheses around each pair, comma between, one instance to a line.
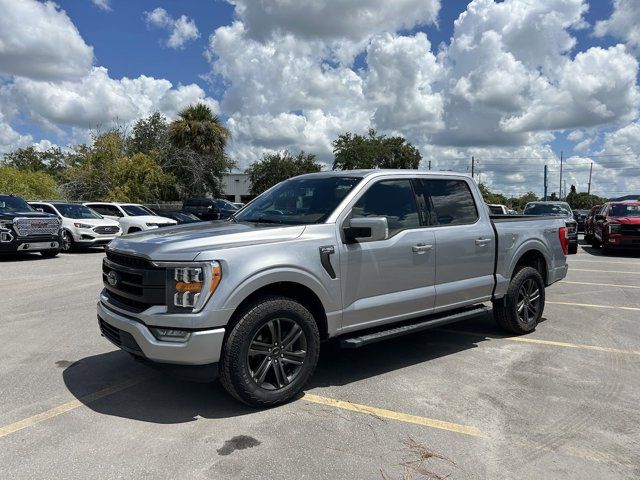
(368,172)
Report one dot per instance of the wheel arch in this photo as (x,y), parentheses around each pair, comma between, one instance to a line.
(531,257)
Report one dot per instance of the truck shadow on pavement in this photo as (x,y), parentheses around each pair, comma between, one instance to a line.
(158,398)
(598,252)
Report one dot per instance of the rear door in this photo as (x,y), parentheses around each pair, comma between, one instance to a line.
(108,211)
(464,240)
(387,280)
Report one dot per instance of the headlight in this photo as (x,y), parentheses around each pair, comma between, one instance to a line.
(82,225)
(6,224)
(614,228)
(189,286)
(152,224)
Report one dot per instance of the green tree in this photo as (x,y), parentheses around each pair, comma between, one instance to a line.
(28,184)
(353,151)
(582,200)
(198,159)
(51,161)
(149,134)
(491,197)
(105,172)
(273,168)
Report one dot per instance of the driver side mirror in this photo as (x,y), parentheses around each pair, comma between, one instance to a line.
(366,229)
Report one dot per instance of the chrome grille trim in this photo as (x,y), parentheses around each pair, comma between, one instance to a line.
(25,227)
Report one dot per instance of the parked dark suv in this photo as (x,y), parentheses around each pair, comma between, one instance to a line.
(557,209)
(203,208)
(580,216)
(23,229)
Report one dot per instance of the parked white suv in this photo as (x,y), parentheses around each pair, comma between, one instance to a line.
(81,226)
(131,216)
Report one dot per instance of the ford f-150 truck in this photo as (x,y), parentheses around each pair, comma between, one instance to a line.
(617,226)
(22,229)
(359,255)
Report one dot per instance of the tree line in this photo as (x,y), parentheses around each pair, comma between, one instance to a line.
(157,161)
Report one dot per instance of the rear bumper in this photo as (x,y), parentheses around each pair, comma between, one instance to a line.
(202,347)
(557,274)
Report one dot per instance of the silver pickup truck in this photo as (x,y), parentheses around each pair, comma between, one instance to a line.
(359,255)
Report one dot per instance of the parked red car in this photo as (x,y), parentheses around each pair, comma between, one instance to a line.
(591,220)
(617,225)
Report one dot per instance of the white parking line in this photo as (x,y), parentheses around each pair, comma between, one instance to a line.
(590,305)
(600,284)
(604,261)
(601,271)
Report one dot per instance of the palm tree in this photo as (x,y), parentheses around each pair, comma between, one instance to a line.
(199,130)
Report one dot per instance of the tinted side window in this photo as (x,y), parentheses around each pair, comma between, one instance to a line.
(393,199)
(48,209)
(106,210)
(451,202)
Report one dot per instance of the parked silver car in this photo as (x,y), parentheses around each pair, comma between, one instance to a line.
(360,255)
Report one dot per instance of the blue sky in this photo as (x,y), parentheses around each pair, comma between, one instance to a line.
(294,76)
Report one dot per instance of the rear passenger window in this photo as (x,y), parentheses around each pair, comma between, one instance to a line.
(451,202)
(393,199)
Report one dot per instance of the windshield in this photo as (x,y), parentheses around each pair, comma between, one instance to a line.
(70,210)
(14,204)
(299,201)
(547,209)
(621,210)
(225,205)
(135,210)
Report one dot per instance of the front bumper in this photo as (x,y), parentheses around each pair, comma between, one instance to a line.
(623,241)
(202,347)
(36,243)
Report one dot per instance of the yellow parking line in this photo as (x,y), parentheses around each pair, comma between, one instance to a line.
(66,407)
(600,284)
(402,417)
(589,305)
(601,271)
(540,341)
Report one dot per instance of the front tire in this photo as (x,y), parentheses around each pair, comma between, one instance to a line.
(66,242)
(595,243)
(270,353)
(521,308)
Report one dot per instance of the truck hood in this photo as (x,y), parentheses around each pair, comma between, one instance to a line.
(625,220)
(186,242)
(12,215)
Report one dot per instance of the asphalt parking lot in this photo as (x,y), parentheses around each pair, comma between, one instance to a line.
(461,402)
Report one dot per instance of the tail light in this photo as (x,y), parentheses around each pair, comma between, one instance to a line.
(563,235)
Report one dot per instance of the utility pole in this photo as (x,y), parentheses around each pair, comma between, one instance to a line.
(564,195)
(560,188)
(545,183)
(589,187)
(473,166)
(429,164)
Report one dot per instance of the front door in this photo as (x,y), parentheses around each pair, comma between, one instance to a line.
(388,280)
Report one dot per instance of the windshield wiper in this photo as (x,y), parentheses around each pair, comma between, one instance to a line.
(262,220)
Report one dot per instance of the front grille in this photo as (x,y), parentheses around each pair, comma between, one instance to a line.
(36,226)
(630,229)
(133,283)
(119,337)
(106,230)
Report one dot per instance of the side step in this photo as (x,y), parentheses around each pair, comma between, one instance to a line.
(430,322)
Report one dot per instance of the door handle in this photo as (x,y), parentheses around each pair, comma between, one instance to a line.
(421,248)
(483,241)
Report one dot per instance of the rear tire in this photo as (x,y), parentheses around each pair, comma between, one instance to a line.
(254,366)
(521,308)
(573,248)
(595,243)
(50,253)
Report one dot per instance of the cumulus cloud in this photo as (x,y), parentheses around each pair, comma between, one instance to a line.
(103,4)
(624,23)
(183,29)
(47,47)
(98,99)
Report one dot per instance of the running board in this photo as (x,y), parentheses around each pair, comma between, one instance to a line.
(393,332)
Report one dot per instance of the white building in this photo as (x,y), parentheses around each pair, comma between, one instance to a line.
(236,187)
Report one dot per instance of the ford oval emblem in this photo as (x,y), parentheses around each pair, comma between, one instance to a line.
(112,278)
